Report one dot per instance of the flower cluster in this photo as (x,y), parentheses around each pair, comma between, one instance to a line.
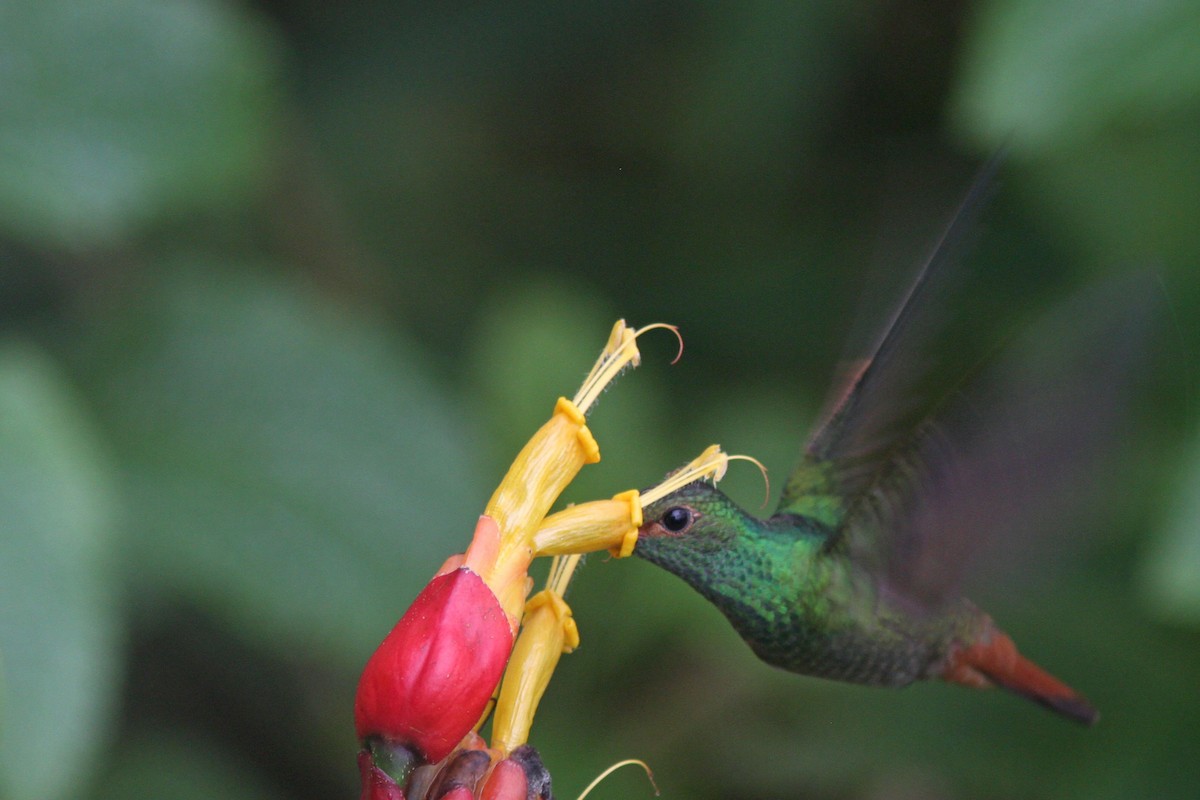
(472,772)
(428,687)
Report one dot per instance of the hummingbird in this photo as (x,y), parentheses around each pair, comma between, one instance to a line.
(855,577)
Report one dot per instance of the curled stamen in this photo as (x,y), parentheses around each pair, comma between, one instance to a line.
(627,762)
(673,329)
(620,351)
(766,478)
(712,463)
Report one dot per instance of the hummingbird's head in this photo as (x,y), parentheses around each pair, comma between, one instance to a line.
(692,532)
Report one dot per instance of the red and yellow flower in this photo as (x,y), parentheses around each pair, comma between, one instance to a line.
(426,689)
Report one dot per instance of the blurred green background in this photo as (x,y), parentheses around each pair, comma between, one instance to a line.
(285,285)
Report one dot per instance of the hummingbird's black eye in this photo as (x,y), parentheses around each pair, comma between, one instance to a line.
(677,519)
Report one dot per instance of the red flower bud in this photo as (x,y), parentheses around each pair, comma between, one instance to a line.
(521,776)
(507,782)
(431,678)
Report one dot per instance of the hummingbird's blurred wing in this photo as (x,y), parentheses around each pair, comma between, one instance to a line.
(874,408)
(911,484)
(1007,466)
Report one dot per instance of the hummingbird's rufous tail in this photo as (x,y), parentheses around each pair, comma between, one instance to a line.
(993,660)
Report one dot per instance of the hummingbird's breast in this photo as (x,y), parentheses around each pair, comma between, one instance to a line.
(820,615)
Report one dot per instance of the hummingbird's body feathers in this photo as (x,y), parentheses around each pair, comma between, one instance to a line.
(856,576)
(802,603)
(793,595)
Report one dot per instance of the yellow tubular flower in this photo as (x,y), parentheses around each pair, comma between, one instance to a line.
(543,468)
(598,525)
(548,632)
(548,629)
(432,677)
(550,460)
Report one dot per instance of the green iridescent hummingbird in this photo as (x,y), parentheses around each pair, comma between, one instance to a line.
(855,576)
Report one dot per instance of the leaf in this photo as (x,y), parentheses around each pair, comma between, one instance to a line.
(118,112)
(1127,199)
(59,625)
(1043,75)
(291,467)
(1171,570)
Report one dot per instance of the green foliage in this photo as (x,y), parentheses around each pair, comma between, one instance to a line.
(1100,94)
(165,764)
(1053,75)
(60,620)
(285,286)
(120,112)
(282,457)
(1172,568)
